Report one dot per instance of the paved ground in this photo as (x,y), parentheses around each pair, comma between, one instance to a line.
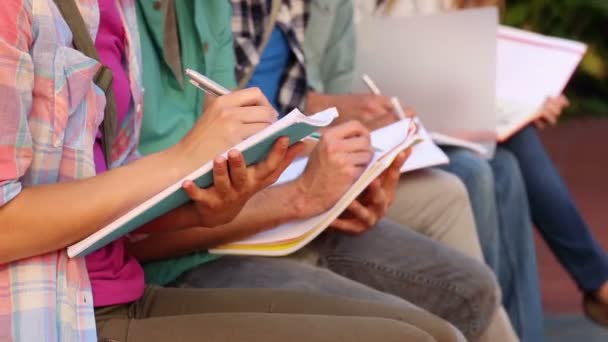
(580,150)
(573,327)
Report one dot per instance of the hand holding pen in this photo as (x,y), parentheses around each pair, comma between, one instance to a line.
(397,108)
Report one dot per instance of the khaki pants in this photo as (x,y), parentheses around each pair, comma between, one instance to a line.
(170,314)
(435,203)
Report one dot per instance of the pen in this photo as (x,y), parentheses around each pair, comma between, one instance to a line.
(206,84)
(376,91)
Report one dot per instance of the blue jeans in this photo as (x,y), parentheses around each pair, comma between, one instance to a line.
(499,201)
(388,264)
(555,214)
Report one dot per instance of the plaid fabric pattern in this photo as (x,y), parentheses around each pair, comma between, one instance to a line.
(50,110)
(249,21)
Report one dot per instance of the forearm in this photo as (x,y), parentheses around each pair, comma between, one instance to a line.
(45,218)
(267,209)
(316,102)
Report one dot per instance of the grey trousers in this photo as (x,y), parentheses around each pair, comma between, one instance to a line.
(388,264)
(189,315)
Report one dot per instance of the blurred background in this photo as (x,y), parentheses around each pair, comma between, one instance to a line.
(583,20)
(577,144)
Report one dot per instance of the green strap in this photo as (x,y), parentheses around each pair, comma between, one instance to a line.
(83,43)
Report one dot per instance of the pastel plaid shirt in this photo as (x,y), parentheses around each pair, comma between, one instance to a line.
(50,111)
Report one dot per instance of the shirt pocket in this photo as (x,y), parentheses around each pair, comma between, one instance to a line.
(79,103)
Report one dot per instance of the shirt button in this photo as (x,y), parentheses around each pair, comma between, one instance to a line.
(138,108)
(205,47)
(157,5)
(56,142)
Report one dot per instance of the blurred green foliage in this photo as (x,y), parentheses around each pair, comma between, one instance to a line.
(583,20)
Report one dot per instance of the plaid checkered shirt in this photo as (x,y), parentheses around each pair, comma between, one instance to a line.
(249,21)
(50,110)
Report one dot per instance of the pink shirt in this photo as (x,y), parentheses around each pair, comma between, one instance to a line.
(116,277)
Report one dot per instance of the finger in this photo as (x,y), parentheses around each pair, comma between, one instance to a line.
(244,97)
(352,145)
(349,226)
(376,195)
(553,108)
(563,100)
(362,213)
(398,162)
(274,158)
(539,123)
(347,130)
(237,169)
(361,158)
(221,180)
(410,112)
(293,152)
(378,105)
(386,103)
(548,115)
(382,121)
(197,194)
(373,110)
(392,175)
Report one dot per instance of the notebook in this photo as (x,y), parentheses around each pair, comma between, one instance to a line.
(426,153)
(530,68)
(290,237)
(295,125)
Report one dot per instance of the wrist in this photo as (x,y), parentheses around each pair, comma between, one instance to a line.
(186,155)
(304,204)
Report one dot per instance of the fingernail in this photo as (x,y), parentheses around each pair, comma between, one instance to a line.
(233,154)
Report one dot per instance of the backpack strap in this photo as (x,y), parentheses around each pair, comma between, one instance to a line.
(103,79)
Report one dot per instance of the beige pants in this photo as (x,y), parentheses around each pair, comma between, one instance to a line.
(176,315)
(436,204)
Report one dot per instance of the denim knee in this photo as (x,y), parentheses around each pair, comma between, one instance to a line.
(484,295)
(474,171)
(508,179)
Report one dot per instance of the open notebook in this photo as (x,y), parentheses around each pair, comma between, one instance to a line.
(530,67)
(288,238)
(295,125)
(426,154)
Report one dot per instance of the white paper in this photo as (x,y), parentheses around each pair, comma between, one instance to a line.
(445,140)
(530,68)
(424,154)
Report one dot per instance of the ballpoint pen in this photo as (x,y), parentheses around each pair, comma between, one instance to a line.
(376,91)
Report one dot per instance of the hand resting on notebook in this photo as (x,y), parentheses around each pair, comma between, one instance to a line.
(551,111)
(371,206)
(339,158)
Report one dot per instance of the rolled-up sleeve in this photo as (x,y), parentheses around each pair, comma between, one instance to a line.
(16,85)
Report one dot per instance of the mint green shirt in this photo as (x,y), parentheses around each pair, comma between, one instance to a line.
(171,104)
(329,46)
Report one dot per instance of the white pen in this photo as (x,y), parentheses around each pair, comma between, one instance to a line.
(397,106)
(206,84)
(371,85)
